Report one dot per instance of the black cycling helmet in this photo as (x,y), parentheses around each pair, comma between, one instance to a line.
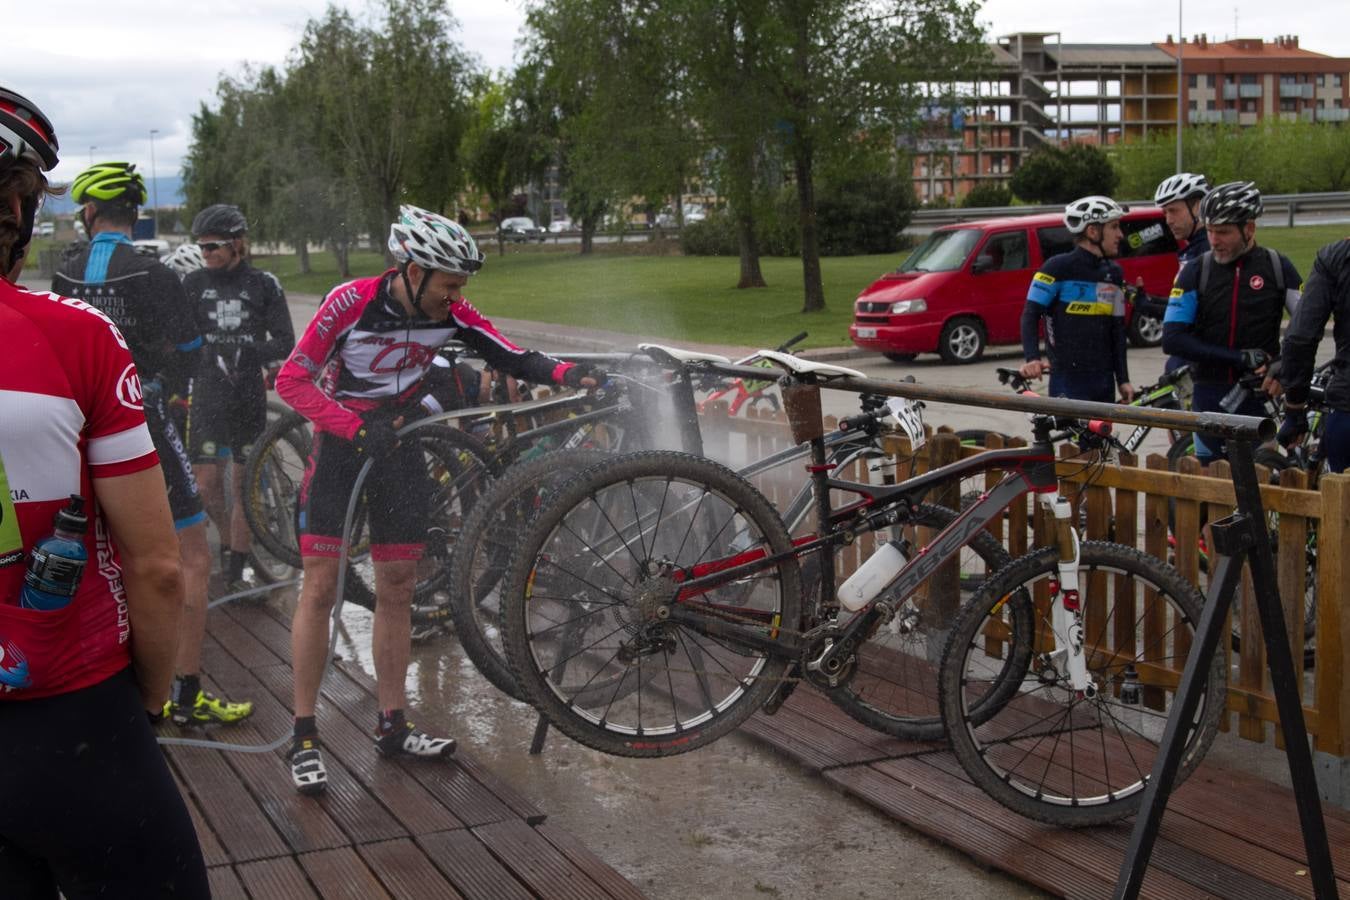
(1234,203)
(222,219)
(109,181)
(25,133)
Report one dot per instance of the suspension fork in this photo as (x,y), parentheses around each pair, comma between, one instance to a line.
(1066,607)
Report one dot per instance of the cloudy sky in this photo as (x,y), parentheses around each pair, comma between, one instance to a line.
(107,77)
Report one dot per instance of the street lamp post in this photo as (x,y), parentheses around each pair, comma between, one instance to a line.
(92,148)
(1181,46)
(154,182)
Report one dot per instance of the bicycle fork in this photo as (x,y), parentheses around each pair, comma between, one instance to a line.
(1066,608)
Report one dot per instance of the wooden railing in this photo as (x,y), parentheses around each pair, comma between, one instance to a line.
(1144,505)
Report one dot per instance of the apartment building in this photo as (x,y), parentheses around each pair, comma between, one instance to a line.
(1246,80)
(1037,90)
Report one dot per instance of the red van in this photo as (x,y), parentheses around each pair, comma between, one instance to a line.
(964,287)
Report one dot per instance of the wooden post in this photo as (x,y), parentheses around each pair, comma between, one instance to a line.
(944,590)
(1333,624)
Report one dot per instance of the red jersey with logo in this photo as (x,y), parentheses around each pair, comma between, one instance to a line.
(370,353)
(70,412)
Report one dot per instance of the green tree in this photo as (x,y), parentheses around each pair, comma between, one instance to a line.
(987,194)
(1062,174)
(502,151)
(846,78)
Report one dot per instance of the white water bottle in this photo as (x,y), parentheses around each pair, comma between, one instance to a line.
(872,576)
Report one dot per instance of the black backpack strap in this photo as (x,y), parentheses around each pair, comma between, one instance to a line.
(1206,264)
(1278,265)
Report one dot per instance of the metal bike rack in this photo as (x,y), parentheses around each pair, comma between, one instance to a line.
(1239,537)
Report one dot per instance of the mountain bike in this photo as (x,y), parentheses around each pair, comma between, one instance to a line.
(657,602)
(492,532)
(748,394)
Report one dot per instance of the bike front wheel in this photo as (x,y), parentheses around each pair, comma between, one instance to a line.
(600,634)
(1021,731)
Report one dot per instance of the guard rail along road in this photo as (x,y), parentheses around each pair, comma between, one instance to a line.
(1277,205)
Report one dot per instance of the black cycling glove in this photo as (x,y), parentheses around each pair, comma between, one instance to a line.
(375,438)
(1295,425)
(572,377)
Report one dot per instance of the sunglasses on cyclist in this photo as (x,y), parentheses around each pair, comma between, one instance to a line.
(209,246)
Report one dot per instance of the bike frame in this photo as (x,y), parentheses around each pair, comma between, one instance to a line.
(1030,470)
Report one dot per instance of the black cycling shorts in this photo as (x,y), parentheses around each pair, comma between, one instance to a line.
(185,503)
(397,492)
(90,807)
(227,417)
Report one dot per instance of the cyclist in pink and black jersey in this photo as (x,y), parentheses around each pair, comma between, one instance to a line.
(358,369)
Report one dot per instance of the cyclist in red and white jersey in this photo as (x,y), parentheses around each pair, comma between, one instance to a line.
(90,808)
(358,369)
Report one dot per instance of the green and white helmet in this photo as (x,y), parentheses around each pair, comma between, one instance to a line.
(1094,210)
(433,242)
(109,181)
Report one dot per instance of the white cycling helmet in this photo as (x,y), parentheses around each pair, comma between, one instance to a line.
(433,242)
(1182,186)
(186,258)
(1094,210)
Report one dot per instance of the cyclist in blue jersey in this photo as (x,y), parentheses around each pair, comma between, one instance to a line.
(146,300)
(1081,297)
(1227,306)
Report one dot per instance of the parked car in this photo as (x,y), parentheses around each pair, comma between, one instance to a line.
(964,287)
(558,226)
(520,230)
(46,229)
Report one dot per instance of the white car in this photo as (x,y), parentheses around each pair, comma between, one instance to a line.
(46,229)
(557,226)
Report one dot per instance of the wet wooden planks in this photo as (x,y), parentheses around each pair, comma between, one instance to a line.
(384,829)
(1226,834)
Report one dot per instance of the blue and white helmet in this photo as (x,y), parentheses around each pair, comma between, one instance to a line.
(1094,210)
(433,242)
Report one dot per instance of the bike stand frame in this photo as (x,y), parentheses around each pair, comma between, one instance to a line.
(1240,537)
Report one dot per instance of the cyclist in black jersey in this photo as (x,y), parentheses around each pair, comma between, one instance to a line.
(1179,198)
(1326,294)
(1226,307)
(247,328)
(145,298)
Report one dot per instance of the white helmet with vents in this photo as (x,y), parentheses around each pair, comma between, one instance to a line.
(186,258)
(1094,210)
(1182,186)
(433,242)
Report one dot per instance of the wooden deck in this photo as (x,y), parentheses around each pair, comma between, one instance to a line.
(384,828)
(1225,834)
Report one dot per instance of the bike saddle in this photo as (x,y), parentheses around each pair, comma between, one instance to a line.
(798,366)
(678,356)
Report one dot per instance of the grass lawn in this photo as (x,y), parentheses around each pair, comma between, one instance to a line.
(674,297)
(688,298)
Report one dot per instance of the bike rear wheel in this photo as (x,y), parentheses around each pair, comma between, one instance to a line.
(592,623)
(272,479)
(1032,742)
(490,534)
(894,688)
